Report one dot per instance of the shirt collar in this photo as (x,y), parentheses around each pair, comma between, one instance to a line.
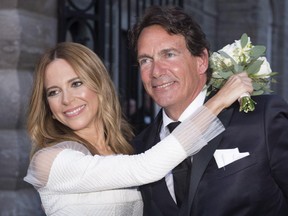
(193,106)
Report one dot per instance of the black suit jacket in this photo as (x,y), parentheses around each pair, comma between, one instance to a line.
(254,185)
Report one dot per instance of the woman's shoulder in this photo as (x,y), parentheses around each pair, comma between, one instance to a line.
(62,146)
(70,145)
(42,161)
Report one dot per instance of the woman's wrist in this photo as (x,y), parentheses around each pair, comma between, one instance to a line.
(215,105)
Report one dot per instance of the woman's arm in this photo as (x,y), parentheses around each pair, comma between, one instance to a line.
(236,86)
(68,167)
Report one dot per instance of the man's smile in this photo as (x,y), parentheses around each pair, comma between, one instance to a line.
(163,85)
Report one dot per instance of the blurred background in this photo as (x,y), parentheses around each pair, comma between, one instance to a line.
(29,27)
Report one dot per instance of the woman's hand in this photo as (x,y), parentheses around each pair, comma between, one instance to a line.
(236,86)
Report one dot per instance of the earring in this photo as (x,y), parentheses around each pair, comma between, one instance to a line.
(53,117)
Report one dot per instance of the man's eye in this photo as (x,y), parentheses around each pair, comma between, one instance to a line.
(77,83)
(170,54)
(143,61)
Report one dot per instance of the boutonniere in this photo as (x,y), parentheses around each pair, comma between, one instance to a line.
(237,57)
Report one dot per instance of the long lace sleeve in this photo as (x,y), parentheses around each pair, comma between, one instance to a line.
(69,167)
(196,131)
(40,165)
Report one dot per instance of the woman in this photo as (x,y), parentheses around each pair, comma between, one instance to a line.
(82,162)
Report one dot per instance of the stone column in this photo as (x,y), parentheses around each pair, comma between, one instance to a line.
(279,47)
(27,28)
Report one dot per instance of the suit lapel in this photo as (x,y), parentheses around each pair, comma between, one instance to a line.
(201,159)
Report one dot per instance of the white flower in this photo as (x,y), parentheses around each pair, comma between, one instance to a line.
(218,60)
(238,53)
(237,57)
(265,69)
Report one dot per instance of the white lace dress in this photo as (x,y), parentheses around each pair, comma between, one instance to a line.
(71,181)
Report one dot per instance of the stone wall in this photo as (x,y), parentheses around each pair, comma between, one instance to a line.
(27,27)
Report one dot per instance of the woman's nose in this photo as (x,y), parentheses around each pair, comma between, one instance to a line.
(67,97)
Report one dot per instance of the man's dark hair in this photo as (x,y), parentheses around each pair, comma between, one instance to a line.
(175,21)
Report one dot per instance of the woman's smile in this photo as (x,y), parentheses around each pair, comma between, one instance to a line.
(75,111)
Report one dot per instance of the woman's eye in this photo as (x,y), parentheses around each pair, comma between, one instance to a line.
(52,93)
(77,83)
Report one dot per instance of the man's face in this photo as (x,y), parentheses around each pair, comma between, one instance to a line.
(170,74)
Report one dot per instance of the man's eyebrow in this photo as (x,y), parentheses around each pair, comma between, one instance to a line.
(169,50)
(143,56)
(164,51)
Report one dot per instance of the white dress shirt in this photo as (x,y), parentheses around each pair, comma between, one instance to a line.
(196,103)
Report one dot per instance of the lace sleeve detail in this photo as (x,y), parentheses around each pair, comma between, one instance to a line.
(196,131)
(41,163)
(69,167)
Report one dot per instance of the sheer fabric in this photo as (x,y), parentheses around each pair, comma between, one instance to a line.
(68,177)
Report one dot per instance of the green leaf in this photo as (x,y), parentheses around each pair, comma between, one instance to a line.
(238,68)
(226,74)
(226,55)
(257,51)
(273,80)
(216,76)
(273,74)
(269,90)
(254,67)
(259,92)
(256,86)
(244,40)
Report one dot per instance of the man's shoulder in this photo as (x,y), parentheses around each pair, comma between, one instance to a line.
(150,129)
(148,136)
(269,99)
(269,105)
(142,141)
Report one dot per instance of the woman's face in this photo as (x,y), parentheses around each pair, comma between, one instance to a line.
(70,101)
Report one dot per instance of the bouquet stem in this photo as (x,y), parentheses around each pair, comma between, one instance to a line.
(247,104)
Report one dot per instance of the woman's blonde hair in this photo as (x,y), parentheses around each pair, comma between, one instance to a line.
(46,131)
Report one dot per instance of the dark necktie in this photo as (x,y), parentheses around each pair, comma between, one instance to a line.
(181,173)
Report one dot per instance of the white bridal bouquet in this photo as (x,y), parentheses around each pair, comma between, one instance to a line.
(238,57)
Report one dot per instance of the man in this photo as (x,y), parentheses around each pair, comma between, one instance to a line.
(172,52)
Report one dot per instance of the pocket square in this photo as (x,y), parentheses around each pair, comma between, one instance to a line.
(224,157)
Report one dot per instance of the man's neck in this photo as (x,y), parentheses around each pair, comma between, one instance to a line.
(182,114)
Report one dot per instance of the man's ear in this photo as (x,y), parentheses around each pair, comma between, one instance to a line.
(203,61)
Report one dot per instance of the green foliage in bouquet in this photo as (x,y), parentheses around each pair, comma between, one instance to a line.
(238,57)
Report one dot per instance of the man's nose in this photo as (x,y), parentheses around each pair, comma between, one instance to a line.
(157,69)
